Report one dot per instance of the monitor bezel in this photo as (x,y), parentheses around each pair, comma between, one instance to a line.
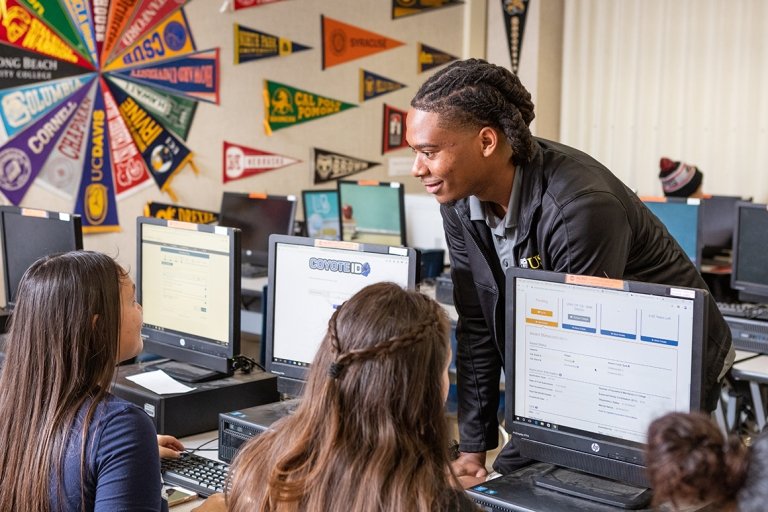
(619,459)
(372,183)
(749,288)
(291,378)
(705,207)
(196,350)
(699,231)
(307,193)
(74,220)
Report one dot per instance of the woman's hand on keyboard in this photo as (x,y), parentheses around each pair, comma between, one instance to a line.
(170,447)
(214,503)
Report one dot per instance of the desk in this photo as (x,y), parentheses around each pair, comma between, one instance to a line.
(754,371)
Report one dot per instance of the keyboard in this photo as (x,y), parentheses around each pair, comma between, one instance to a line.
(196,473)
(744,310)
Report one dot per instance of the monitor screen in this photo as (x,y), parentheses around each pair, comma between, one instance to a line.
(718,221)
(424,223)
(321,213)
(750,246)
(257,216)
(315,277)
(681,218)
(28,235)
(372,212)
(590,362)
(188,283)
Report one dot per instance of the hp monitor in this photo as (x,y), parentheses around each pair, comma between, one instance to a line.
(590,362)
(188,282)
(372,212)
(750,247)
(682,218)
(28,235)
(310,278)
(321,213)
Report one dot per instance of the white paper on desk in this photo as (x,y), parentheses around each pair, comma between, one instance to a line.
(159,382)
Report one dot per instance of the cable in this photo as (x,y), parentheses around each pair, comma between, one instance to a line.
(245,364)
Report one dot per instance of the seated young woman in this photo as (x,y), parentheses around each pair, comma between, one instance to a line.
(370,433)
(67,443)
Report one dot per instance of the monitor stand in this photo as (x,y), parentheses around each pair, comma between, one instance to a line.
(595,488)
(186,372)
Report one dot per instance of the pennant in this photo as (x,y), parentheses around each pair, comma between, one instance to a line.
(184,214)
(20,67)
(21,106)
(81,16)
(19,28)
(22,158)
(514,24)
(251,45)
(96,202)
(285,106)
(54,16)
(148,14)
(62,171)
(130,170)
(343,42)
(373,85)
(100,13)
(173,112)
(329,166)
(244,4)
(194,76)
(120,13)
(241,162)
(171,38)
(164,154)
(432,57)
(393,132)
(402,8)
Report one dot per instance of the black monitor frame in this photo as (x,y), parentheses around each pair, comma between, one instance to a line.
(615,458)
(749,291)
(718,222)
(33,219)
(291,378)
(373,183)
(699,230)
(306,194)
(187,347)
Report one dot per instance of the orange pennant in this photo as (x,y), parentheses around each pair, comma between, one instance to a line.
(343,42)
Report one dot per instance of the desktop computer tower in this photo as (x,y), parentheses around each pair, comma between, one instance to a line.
(185,414)
(237,427)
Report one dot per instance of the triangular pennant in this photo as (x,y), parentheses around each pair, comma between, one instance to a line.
(80,14)
(22,106)
(175,212)
(244,4)
(373,85)
(195,75)
(61,172)
(164,153)
(22,157)
(514,24)
(432,57)
(402,8)
(329,166)
(21,67)
(100,15)
(130,170)
(54,16)
(241,161)
(145,16)
(251,45)
(393,131)
(343,42)
(285,106)
(19,28)
(120,13)
(171,38)
(174,112)
(96,202)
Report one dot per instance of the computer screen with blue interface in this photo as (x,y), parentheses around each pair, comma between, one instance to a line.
(372,212)
(681,218)
(591,362)
(321,213)
(312,278)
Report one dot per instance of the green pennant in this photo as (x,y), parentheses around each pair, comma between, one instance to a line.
(52,13)
(285,106)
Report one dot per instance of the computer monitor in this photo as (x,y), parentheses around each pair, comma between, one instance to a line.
(718,222)
(188,283)
(321,213)
(257,216)
(311,278)
(750,247)
(682,218)
(590,362)
(372,212)
(28,235)
(424,224)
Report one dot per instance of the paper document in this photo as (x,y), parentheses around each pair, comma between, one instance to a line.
(159,382)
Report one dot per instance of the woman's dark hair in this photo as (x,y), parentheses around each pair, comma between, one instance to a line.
(61,353)
(370,433)
(689,461)
(753,495)
(475,93)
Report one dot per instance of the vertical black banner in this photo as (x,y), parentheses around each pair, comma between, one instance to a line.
(514,23)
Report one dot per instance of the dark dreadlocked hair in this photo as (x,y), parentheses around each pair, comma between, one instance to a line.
(474,92)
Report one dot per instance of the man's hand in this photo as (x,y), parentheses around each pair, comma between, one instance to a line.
(170,447)
(470,464)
